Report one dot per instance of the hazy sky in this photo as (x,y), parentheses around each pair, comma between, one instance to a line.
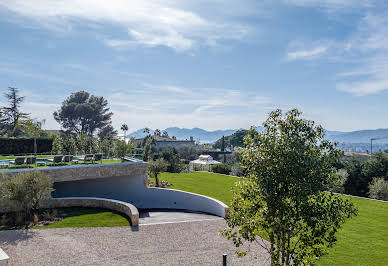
(213,64)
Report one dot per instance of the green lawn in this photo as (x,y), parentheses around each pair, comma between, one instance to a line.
(363,240)
(88,217)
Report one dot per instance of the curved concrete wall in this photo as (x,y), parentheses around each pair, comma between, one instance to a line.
(125,182)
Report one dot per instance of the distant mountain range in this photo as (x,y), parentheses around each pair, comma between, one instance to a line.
(204,136)
(199,134)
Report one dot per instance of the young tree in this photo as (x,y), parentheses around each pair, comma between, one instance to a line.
(156,167)
(26,191)
(289,168)
(57,145)
(83,113)
(82,143)
(124,128)
(33,129)
(70,146)
(12,113)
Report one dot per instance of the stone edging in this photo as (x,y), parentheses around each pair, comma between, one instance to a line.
(3,258)
(116,205)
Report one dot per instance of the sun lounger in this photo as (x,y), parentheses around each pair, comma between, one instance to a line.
(97,157)
(30,160)
(68,158)
(56,159)
(18,161)
(87,158)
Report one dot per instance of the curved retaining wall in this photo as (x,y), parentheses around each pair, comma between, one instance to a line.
(124,182)
(123,207)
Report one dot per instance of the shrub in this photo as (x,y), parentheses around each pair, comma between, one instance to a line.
(378,189)
(237,170)
(222,168)
(25,145)
(57,145)
(26,191)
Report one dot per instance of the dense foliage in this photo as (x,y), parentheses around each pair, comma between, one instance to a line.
(361,173)
(83,113)
(232,141)
(26,191)
(378,189)
(156,167)
(25,145)
(222,168)
(290,166)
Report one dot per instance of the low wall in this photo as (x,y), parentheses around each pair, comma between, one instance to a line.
(124,182)
(122,207)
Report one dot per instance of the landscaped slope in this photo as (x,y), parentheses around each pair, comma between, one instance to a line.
(363,240)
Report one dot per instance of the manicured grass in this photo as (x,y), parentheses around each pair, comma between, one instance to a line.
(88,217)
(363,240)
(204,183)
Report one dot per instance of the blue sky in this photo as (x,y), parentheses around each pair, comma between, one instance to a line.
(212,64)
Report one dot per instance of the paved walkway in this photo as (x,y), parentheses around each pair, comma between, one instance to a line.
(172,216)
(183,243)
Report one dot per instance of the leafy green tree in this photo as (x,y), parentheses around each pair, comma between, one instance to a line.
(124,128)
(70,146)
(33,129)
(121,148)
(57,145)
(12,113)
(26,191)
(82,143)
(107,147)
(232,141)
(107,132)
(92,144)
(147,148)
(156,167)
(289,168)
(83,113)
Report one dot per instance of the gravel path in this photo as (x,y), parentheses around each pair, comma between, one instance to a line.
(187,243)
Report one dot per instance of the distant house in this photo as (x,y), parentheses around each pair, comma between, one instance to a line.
(160,141)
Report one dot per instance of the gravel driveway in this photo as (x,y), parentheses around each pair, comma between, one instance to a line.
(186,243)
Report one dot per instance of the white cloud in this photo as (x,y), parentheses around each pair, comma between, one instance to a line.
(307,54)
(163,106)
(332,5)
(150,23)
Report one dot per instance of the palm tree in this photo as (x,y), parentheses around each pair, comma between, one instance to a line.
(124,128)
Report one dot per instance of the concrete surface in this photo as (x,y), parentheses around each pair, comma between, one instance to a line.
(188,243)
(152,216)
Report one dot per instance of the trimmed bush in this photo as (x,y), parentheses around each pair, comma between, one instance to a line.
(222,168)
(25,145)
(378,189)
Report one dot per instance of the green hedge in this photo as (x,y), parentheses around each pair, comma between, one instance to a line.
(222,168)
(24,145)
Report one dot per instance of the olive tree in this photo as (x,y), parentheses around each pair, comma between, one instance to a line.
(289,167)
(26,191)
(156,167)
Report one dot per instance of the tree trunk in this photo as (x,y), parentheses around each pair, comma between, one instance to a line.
(156,181)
